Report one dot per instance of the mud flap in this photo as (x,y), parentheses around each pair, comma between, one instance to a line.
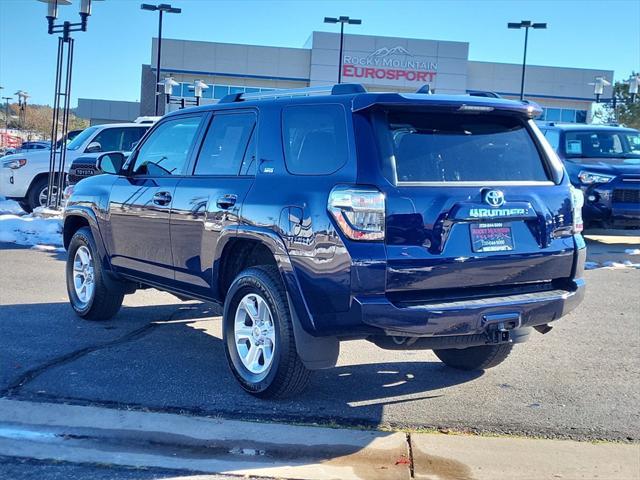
(315,352)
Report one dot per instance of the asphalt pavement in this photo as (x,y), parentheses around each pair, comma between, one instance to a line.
(581,380)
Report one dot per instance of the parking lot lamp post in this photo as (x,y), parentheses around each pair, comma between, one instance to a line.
(342,21)
(526,24)
(161,8)
(598,87)
(62,95)
(22,105)
(634,84)
(6,113)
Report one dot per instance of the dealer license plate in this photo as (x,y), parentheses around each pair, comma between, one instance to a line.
(491,237)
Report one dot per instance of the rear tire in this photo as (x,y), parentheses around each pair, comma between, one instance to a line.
(258,335)
(91,294)
(475,358)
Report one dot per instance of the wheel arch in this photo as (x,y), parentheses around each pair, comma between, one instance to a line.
(245,247)
(76,217)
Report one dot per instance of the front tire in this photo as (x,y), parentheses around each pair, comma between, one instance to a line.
(258,335)
(91,294)
(475,358)
(37,195)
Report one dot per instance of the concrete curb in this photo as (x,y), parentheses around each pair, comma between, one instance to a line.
(82,434)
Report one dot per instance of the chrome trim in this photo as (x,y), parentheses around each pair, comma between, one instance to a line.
(523,183)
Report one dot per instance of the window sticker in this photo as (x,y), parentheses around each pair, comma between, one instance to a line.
(574,147)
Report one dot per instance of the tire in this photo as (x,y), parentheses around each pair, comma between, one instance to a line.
(475,358)
(37,192)
(281,373)
(102,297)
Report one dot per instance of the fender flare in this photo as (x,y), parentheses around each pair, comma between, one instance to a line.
(316,352)
(89,215)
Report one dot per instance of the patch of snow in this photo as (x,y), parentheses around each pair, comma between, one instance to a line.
(591,265)
(632,251)
(48,248)
(30,230)
(10,206)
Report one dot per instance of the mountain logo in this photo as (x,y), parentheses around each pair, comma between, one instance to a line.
(386,52)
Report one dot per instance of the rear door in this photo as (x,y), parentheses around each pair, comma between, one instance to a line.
(471,205)
(208,201)
(140,203)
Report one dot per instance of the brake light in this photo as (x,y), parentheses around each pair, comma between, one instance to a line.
(358,211)
(577,202)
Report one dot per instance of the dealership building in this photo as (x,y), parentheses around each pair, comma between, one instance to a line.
(379,63)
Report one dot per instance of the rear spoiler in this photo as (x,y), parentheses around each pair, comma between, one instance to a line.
(452,103)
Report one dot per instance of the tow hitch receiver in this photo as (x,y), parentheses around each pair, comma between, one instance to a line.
(498,326)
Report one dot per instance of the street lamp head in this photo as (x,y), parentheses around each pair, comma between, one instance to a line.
(168,84)
(85,7)
(634,83)
(52,7)
(539,26)
(146,6)
(198,87)
(355,21)
(514,25)
(331,20)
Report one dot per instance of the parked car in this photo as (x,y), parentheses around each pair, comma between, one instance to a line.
(24,176)
(603,161)
(414,221)
(34,146)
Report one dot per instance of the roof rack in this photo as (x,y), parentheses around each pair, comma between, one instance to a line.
(483,93)
(426,89)
(338,89)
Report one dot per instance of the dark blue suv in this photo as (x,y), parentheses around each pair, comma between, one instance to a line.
(414,221)
(603,161)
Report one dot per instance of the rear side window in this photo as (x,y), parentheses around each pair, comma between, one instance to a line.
(225,144)
(314,139)
(445,147)
(553,137)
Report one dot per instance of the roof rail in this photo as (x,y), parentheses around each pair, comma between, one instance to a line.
(426,89)
(338,89)
(483,93)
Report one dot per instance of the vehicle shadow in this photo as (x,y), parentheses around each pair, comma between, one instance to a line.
(171,358)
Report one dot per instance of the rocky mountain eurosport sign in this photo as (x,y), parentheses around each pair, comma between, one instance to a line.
(389,64)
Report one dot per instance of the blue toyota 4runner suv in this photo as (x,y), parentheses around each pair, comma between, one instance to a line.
(604,162)
(414,221)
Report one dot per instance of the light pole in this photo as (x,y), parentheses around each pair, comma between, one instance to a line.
(634,84)
(526,24)
(161,8)
(62,93)
(198,87)
(22,105)
(342,21)
(6,113)
(598,87)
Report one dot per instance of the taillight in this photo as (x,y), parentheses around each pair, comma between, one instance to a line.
(577,202)
(358,211)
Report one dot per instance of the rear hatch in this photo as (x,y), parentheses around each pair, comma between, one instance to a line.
(472,206)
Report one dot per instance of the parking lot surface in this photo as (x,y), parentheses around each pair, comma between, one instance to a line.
(581,380)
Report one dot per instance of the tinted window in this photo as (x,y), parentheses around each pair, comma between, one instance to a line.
(166,150)
(225,144)
(314,139)
(440,147)
(553,137)
(131,137)
(601,144)
(249,163)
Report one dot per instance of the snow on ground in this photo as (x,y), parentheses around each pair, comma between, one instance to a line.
(632,251)
(610,264)
(10,206)
(16,226)
(30,230)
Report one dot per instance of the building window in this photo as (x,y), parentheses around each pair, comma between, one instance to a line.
(566,115)
(553,115)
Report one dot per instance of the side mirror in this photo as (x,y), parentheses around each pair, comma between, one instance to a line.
(111,162)
(93,147)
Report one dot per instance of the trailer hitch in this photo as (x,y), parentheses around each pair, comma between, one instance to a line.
(498,326)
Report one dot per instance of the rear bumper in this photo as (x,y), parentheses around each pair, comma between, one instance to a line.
(467,317)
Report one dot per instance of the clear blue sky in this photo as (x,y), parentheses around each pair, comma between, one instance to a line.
(589,34)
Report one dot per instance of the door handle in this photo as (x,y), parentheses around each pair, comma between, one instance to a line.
(162,198)
(227,201)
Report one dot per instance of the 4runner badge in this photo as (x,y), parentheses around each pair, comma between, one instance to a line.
(495,198)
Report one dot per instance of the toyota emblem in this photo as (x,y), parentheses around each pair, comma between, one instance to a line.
(495,198)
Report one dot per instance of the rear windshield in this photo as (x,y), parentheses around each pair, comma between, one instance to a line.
(446,147)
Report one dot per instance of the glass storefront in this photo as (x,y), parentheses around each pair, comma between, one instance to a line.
(565,115)
(217,91)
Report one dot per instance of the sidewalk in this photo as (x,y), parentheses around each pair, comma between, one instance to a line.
(80,434)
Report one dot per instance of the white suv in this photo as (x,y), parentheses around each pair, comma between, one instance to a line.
(24,176)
